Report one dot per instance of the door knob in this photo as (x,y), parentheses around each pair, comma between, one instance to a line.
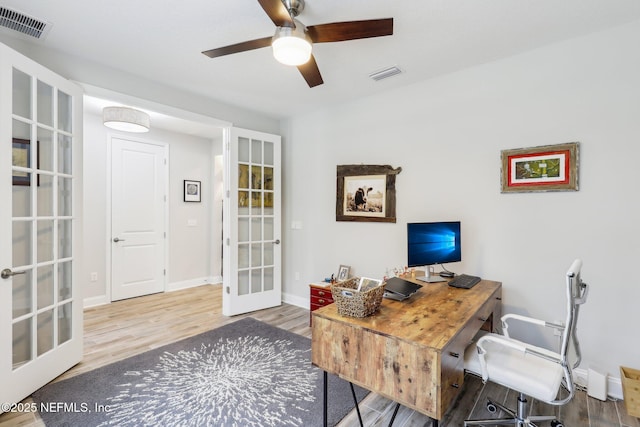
(6,273)
(277,241)
(117,239)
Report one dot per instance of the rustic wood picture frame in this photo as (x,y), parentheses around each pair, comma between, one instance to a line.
(540,169)
(376,188)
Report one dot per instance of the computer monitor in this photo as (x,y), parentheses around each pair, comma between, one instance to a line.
(430,243)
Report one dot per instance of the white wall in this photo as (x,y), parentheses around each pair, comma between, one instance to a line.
(447,134)
(190,249)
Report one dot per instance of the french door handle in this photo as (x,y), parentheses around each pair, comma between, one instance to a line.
(6,273)
(117,239)
(277,241)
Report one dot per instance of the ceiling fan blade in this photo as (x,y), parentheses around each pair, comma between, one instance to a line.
(350,30)
(311,72)
(238,47)
(278,13)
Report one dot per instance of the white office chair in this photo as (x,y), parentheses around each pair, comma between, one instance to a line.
(532,371)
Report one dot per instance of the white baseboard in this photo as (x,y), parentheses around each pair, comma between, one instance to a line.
(191,283)
(95,301)
(295,300)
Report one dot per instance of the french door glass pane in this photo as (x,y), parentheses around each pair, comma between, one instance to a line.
(45,331)
(268,254)
(268,229)
(64,112)
(45,104)
(45,194)
(64,154)
(256,151)
(45,240)
(64,196)
(256,280)
(268,279)
(243,176)
(64,280)
(268,153)
(64,238)
(21,199)
(256,229)
(22,294)
(243,256)
(21,94)
(22,339)
(243,229)
(243,150)
(64,322)
(243,282)
(22,239)
(45,286)
(256,254)
(45,150)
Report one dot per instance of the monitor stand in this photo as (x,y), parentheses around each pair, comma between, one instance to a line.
(430,276)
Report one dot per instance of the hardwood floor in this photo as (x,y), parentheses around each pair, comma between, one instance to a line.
(125,328)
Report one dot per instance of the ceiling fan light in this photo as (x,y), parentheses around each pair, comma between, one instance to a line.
(125,119)
(291,46)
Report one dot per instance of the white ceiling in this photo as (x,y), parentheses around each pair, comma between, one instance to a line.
(162,41)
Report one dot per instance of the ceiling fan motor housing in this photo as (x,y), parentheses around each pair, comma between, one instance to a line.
(295,7)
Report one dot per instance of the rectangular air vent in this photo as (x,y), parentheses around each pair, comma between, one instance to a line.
(22,23)
(386,73)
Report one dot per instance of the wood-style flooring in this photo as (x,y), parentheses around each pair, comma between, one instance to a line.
(125,328)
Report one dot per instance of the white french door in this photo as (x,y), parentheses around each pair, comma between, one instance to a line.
(40,224)
(252,227)
(138,218)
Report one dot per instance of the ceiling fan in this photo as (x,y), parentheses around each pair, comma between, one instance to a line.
(292,41)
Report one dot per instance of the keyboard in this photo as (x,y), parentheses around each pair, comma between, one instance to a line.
(464,281)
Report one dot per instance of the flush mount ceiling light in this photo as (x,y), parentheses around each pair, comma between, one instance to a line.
(125,119)
(291,46)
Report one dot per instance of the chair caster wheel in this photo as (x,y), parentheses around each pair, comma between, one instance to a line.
(556,423)
(491,407)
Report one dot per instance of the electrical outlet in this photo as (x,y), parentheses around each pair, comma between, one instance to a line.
(94,277)
(297,275)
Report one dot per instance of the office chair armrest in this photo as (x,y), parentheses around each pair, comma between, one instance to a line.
(505,326)
(504,341)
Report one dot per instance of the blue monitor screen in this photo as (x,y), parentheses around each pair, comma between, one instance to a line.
(433,243)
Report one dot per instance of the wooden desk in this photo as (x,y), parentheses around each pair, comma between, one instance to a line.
(411,352)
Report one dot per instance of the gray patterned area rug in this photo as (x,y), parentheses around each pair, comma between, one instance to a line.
(246,373)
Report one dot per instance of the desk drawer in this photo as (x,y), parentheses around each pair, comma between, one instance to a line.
(452,371)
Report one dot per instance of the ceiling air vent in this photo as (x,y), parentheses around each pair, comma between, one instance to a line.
(22,23)
(386,73)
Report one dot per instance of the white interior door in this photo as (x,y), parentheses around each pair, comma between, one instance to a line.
(138,218)
(252,250)
(40,225)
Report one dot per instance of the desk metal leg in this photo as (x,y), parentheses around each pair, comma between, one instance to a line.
(324,399)
(395,412)
(355,400)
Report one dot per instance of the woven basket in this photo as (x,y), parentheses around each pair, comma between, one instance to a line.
(353,303)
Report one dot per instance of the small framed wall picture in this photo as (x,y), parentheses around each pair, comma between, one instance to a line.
(192,191)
